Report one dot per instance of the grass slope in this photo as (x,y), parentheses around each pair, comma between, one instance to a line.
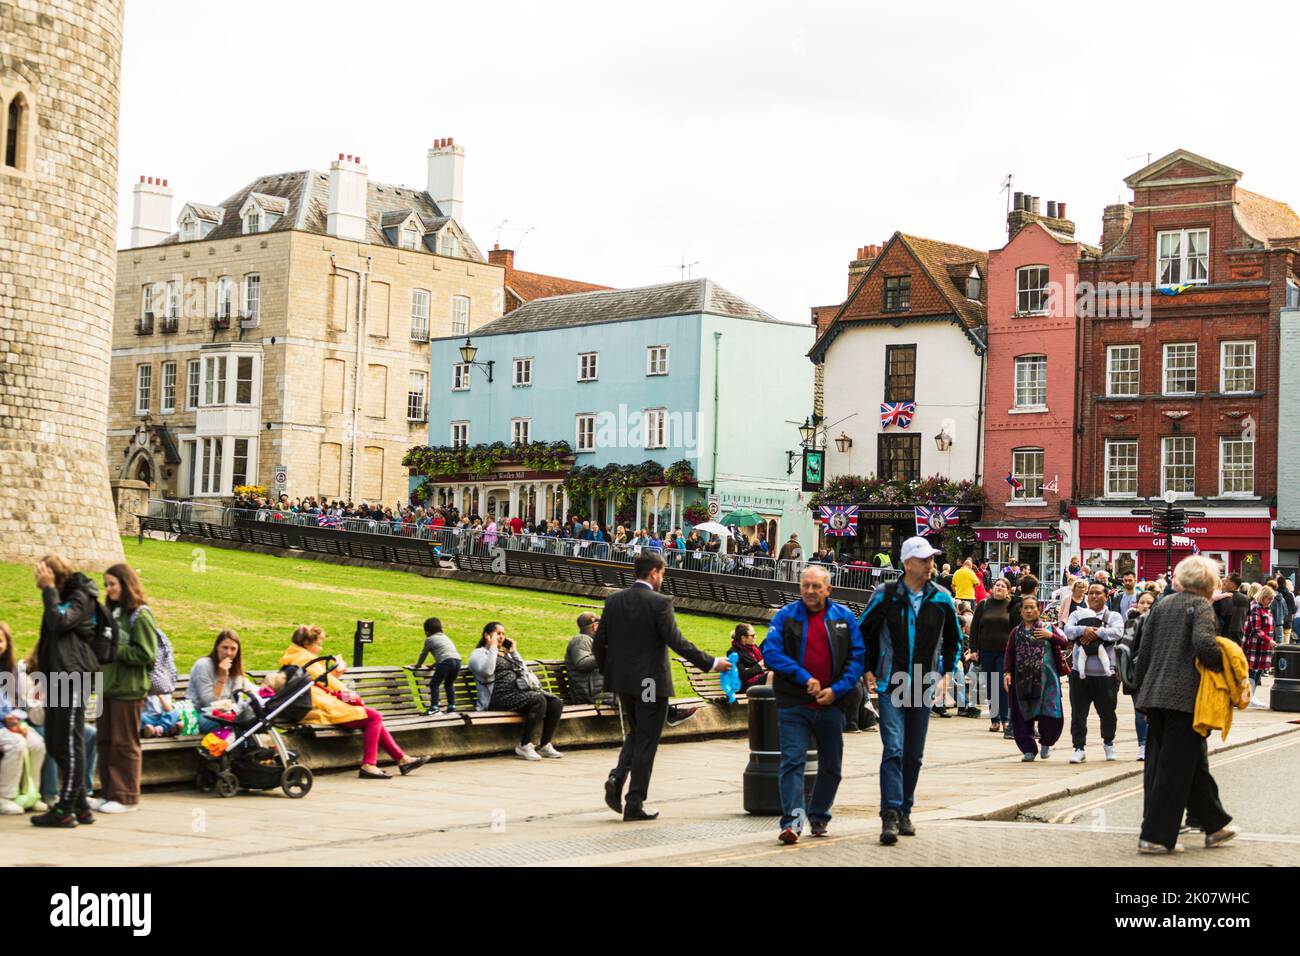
(196,591)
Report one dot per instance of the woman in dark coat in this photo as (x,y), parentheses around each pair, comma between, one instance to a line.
(1033,664)
(750,664)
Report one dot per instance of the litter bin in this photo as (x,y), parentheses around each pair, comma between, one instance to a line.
(762,774)
(1286,679)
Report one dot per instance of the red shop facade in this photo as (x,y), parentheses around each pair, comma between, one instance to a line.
(1241,540)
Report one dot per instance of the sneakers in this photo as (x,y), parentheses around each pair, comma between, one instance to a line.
(905,827)
(1146,846)
(1044,751)
(1142,752)
(679,715)
(112,806)
(889,827)
(1221,837)
(1078,756)
(789,836)
(40,806)
(821,829)
(527,751)
(54,818)
(549,751)
(1110,751)
(1028,758)
(10,809)
(1008,734)
(940,712)
(96,802)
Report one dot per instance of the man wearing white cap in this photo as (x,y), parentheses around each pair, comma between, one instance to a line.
(907,625)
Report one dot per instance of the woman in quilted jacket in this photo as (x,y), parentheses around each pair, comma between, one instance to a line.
(1258,635)
(1033,665)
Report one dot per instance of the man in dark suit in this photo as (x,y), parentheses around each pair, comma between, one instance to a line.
(636,630)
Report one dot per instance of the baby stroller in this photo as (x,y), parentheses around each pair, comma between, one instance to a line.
(249,765)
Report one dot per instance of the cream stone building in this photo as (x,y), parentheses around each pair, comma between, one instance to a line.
(283,333)
(59,69)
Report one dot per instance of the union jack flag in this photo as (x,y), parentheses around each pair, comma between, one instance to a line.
(896,413)
(327,521)
(1014,482)
(839,520)
(934,520)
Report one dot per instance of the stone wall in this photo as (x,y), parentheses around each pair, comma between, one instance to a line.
(58,204)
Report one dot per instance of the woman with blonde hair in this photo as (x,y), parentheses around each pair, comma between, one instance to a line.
(1179,631)
(335,705)
(1258,636)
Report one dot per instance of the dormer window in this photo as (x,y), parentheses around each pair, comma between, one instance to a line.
(973,284)
(253,221)
(260,212)
(189,229)
(410,237)
(447,245)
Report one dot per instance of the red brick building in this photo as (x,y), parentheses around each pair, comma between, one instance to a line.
(1030,390)
(1178,374)
(521,286)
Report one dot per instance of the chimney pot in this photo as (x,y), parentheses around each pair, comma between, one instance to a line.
(1018,201)
(141,179)
(358,160)
(340,157)
(1051,209)
(1060,211)
(346,208)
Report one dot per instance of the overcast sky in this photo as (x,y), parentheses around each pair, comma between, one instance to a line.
(765,141)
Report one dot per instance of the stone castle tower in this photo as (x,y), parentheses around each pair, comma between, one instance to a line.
(60,62)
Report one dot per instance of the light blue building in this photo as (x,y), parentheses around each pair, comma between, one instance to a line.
(681,372)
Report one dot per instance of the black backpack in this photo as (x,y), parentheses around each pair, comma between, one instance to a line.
(107,635)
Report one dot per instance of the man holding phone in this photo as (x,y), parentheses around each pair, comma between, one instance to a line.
(1094,629)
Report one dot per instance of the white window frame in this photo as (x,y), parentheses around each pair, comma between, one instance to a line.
(173,300)
(460,434)
(1165,369)
(1027,382)
(1021,458)
(252,379)
(252,220)
(250,461)
(225,297)
(588,366)
(521,431)
(252,311)
(409,237)
(584,426)
(417,396)
(193,383)
(460,377)
(523,372)
(1248,469)
(211,460)
(214,389)
(460,315)
(1110,472)
(168,388)
(1181,259)
(147,310)
(655,423)
(1032,299)
(189,229)
(656,360)
(1111,351)
(448,245)
(143,388)
(419,315)
(1165,464)
(1223,366)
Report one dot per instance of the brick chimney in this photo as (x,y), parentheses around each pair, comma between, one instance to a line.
(502,257)
(1114,223)
(861,262)
(447,177)
(346,212)
(1027,208)
(151,212)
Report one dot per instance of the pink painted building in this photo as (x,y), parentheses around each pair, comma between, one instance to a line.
(1030,390)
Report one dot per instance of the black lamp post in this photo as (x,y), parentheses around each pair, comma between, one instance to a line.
(467,353)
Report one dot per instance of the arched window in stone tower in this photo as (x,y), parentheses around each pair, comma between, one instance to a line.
(15,139)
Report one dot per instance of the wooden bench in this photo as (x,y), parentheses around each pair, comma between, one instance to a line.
(550,674)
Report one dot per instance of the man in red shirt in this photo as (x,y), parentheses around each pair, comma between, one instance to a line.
(516,524)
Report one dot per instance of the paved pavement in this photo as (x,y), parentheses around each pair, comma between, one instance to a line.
(504,810)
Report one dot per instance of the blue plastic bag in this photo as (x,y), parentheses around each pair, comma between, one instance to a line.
(730,680)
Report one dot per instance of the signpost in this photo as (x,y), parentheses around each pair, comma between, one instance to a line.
(1168,521)
(365,635)
(279,481)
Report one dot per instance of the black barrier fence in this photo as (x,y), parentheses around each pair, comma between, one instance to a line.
(722,579)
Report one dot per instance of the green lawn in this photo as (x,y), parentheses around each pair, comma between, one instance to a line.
(196,591)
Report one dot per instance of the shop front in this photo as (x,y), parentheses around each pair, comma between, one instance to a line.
(1037,545)
(1240,539)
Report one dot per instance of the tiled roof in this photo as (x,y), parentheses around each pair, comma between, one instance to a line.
(528,286)
(206,213)
(276,204)
(936,258)
(1068,240)
(1267,219)
(305,196)
(690,297)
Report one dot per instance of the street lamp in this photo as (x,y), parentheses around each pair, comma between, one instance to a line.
(943,441)
(844,442)
(806,431)
(467,353)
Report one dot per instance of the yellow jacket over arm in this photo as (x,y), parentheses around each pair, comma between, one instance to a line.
(325,707)
(1221,691)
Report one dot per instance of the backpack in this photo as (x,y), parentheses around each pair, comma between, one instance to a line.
(107,635)
(162,675)
(1126,652)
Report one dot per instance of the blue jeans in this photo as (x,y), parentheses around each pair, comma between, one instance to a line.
(1140,725)
(796,725)
(50,770)
(902,738)
(990,666)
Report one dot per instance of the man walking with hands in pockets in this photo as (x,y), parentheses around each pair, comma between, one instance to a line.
(815,649)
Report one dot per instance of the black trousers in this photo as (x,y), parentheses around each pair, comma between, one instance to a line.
(643,724)
(65,744)
(1177,776)
(444,675)
(1099,692)
(546,710)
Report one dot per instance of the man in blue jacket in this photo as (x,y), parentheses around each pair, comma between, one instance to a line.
(815,650)
(908,625)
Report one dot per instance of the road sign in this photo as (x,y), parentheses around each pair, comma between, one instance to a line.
(715,507)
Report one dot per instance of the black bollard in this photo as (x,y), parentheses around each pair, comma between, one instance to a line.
(1285,694)
(762,774)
